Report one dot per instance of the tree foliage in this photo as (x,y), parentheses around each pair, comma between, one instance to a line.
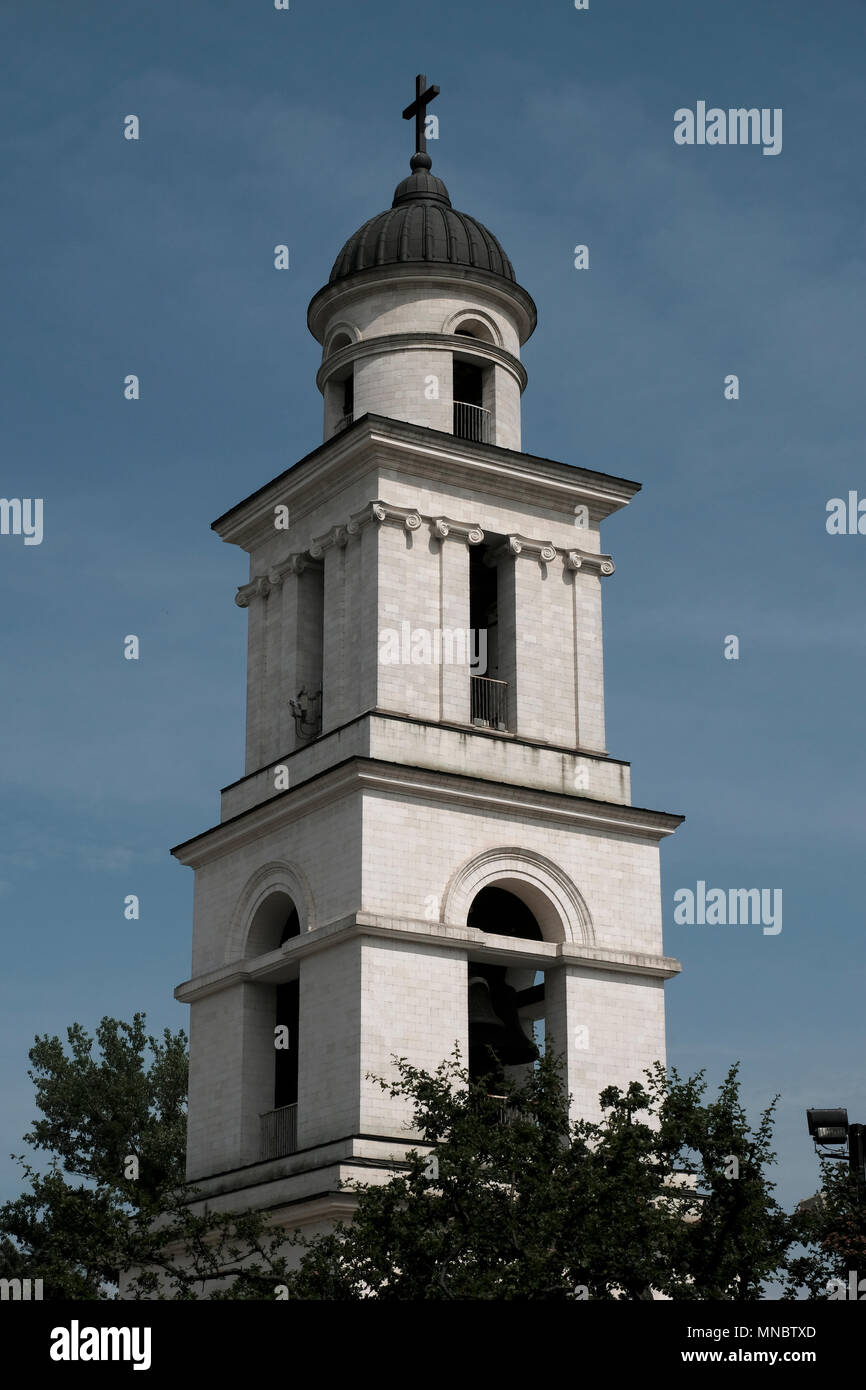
(91,1214)
(504,1197)
(524,1204)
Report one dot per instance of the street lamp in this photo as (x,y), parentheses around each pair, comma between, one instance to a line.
(828,1127)
(831,1128)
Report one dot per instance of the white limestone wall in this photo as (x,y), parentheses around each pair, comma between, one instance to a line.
(538,637)
(411,384)
(382,576)
(413,381)
(409,591)
(231,1077)
(397,856)
(330,1075)
(401,305)
(493,757)
(413,1005)
(413,847)
(323,846)
(609,1027)
(363,1002)
(587,653)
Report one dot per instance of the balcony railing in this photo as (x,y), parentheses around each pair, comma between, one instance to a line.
(489,702)
(279,1132)
(507,1115)
(472,422)
(344,422)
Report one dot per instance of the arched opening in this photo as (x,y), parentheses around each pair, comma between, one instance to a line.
(268,927)
(339,340)
(340,398)
(504,1002)
(503,913)
(488,691)
(471,390)
(286,1034)
(476,328)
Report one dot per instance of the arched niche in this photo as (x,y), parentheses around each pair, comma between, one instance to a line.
(342,335)
(546,891)
(474,323)
(274,922)
(275,905)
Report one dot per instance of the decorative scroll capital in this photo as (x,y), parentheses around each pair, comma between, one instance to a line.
(545,554)
(381,512)
(259,587)
(542,551)
(442,527)
(588,561)
(338,536)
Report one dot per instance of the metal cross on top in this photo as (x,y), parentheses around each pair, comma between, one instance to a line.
(418,109)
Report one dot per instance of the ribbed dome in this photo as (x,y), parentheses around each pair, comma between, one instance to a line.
(422,226)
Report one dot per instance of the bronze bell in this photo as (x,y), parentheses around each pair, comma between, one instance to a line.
(486,1029)
(482,1015)
(494,1022)
(515,1047)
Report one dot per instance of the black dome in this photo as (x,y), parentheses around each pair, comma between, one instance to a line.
(422,226)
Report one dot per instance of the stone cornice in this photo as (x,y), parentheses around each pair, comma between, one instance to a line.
(264,584)
(411,519)
(375,442)
(447,788)
(403,342)
(325,303)
(378,513)
(282,963)
(545,554)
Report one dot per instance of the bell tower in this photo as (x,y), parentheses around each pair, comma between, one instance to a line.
(430,843)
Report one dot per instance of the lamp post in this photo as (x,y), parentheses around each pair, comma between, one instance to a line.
(830,1128)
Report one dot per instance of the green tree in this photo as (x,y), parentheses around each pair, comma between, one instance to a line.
(667,1195)
(505,1197)
(832,1229)
(93,1213)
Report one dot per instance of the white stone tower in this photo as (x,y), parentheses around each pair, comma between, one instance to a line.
(408,821)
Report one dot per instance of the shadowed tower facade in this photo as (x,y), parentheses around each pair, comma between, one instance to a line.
(430,843)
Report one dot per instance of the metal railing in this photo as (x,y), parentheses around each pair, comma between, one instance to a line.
(472,422)
(489,702)
(279,1132)
(344,422)
(507,1115)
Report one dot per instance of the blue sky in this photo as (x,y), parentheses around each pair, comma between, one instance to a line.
(156,257)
